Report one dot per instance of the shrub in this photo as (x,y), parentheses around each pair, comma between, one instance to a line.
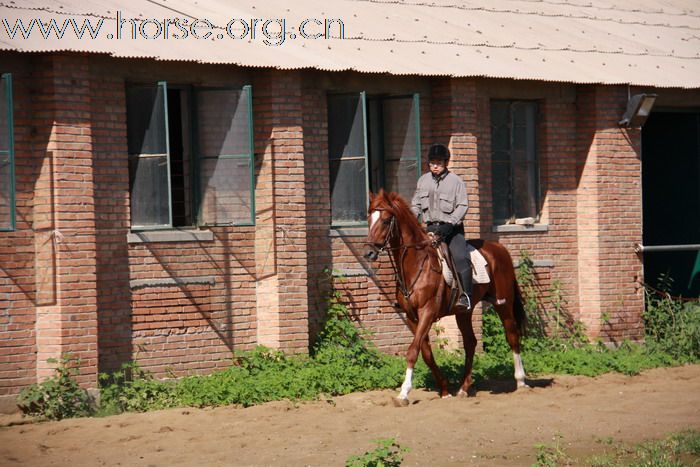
(672,326)
(58,397)
(387,454)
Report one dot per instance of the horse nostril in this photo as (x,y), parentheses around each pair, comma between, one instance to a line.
(371,255)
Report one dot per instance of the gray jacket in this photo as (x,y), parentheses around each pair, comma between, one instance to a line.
(441,200)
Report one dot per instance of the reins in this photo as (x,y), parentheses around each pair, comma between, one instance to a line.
(398,266)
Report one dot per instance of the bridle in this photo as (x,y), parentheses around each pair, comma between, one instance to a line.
(397,266)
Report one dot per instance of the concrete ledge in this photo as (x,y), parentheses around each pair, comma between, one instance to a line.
(515,228)
(355,272)
(148,236)
(171,281)
(348,232)
(538,263)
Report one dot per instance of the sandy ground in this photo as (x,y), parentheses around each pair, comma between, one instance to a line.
(497,427)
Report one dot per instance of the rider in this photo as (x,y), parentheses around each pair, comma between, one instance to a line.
(441,198)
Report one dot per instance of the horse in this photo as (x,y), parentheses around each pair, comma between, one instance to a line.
(424,295)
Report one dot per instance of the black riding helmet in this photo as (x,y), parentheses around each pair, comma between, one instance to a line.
(438,152)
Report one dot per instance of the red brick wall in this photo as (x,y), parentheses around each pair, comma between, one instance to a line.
(111,175)
(609,210)
(17,255)
(183,306)
(281,248)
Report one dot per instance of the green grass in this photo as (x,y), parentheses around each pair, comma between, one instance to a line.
(677,449)
(344,361)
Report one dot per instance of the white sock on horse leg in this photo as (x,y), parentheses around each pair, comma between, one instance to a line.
(407,385)
(519,370)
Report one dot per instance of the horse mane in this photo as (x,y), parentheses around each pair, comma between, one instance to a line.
(400,209)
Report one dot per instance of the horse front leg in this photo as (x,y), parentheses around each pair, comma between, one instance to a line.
(464,322)
(420,332)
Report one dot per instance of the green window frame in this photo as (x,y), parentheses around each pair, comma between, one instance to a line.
(220,163)
(373,143)
(515,160)
(7,156)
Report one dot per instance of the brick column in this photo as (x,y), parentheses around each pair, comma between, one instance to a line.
(454,123)
(64,218)
(609,213)
(280,238)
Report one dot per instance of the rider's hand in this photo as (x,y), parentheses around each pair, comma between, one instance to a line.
(445,230)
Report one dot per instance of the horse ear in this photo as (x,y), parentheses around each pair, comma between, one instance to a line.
(371,196)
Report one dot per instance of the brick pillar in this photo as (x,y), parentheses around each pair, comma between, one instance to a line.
(64,218)
(454,123)
(280,238)
(609,213)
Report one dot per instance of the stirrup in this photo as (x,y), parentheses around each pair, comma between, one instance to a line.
(464,301)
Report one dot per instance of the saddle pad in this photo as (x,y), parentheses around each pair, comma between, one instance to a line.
(480,274)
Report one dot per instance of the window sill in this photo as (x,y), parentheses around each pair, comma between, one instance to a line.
(175,235)
(516,228)
(348,232)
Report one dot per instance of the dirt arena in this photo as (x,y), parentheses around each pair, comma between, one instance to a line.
(497,427)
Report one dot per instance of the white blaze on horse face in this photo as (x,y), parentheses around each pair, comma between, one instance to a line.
(407,385)
(373,218)
(519,370)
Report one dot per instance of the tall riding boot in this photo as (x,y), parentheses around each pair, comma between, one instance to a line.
(465,278)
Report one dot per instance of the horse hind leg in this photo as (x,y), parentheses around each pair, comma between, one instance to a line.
(513,337)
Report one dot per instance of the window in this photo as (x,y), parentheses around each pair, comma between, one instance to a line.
(515,171)
(190,156)
(7,161)
(373,143)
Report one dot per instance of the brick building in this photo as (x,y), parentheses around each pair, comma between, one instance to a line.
(174,203)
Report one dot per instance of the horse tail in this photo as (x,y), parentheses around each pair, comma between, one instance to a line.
(519,309)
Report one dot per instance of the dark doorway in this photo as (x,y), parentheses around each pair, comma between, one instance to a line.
(671,197)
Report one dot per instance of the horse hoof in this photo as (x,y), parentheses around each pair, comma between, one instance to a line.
(446,396)
(399,402)
(471,392)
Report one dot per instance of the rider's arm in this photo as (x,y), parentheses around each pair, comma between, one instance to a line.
(461,204)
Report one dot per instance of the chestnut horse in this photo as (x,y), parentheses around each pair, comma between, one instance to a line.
(424,296)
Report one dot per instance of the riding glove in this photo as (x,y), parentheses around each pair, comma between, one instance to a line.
(445,230)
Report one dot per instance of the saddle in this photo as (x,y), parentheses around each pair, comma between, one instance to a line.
(480,274)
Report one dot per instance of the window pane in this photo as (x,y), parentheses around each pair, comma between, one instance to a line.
(524,130)
(501,191)
(399,117)
(149,170)
(145,124)
(346,129)
(223,122)
(500,112)
(348,191)
(6,159)
(4,123)
(514,159)
(347,154)
(5,191)
(525,187)
(149,191)
(225,190)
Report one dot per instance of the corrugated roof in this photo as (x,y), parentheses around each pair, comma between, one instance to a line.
(640,42)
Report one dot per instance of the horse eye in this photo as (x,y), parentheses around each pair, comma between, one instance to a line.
(386,221)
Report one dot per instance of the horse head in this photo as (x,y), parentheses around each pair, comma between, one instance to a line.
(381,219)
